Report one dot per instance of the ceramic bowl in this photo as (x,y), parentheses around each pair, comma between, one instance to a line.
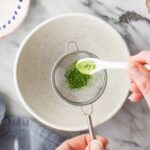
(12,15)
(45,45)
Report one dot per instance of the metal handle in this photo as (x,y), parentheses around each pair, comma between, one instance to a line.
(89,119)
(90,125)
(16,146)
(71,43)
(95,144)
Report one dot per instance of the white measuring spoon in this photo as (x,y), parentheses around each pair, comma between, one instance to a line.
(93,65)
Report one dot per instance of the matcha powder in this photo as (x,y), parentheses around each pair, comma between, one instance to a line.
(75,79)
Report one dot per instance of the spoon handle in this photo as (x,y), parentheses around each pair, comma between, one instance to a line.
(114,65)
(120,65)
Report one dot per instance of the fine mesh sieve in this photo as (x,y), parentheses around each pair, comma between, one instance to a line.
(85,95)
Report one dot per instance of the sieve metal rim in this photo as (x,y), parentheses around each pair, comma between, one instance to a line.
(69,101)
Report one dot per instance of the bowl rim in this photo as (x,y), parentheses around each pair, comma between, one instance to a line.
(22,99)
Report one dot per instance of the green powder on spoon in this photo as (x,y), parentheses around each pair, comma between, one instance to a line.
(86,67)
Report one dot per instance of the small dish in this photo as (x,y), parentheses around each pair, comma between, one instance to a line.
(12,15)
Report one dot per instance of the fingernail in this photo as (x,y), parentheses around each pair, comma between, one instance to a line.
(96,145)
(87,148)
(131,98)
(133,69)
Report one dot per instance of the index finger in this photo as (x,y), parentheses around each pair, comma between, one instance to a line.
(102,139)
(142,57)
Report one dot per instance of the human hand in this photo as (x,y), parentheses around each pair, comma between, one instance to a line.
(82,142)
(140,77)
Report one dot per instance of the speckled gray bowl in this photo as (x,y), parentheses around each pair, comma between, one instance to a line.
(40,50)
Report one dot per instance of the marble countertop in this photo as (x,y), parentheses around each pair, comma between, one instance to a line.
(129,129)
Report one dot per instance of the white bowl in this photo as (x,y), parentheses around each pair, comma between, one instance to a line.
(12,15)
(40,50)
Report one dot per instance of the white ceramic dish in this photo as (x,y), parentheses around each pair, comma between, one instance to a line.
(12,15)
(44,45)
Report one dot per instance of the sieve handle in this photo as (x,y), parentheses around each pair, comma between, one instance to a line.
(73,43)
(95,144)
(90,126)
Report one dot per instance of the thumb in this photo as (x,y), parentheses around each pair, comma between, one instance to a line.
(141,77)
(95,145)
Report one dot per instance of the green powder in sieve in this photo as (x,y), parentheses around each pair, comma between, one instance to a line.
(75,79)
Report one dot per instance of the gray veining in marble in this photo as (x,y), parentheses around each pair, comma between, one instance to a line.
(130,128)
